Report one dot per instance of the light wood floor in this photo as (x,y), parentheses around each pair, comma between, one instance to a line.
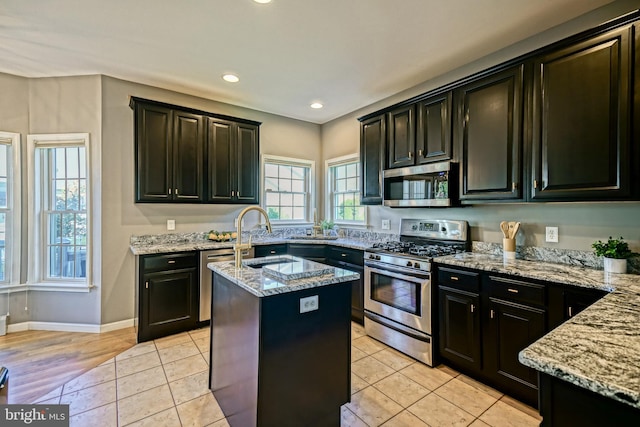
(41,361)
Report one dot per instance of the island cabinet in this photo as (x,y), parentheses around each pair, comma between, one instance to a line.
(169,154)
(372,158)
(233,163)
(582,105)
(312,252)
(488,131)
(485,320)
(185,155)
(167,294)
(565,301)
(269,250)
(272,365)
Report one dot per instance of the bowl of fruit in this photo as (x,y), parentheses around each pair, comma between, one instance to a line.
(222,236)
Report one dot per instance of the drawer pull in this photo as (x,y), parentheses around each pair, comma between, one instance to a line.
(343,255)
(473,308)
(454,278)
(570,311)
(146,284)
(515,291)
(493,313)
(171,261)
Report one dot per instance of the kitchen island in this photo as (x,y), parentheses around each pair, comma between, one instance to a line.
(589,366)
(281,341)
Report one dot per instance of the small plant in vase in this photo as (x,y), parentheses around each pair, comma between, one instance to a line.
(615,253)
(326,226)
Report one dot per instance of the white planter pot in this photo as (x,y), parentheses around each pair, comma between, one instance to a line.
(612,265)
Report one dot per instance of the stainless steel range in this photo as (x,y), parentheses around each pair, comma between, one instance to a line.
(397,283)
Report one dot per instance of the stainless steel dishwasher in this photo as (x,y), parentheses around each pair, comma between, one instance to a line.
(206,275)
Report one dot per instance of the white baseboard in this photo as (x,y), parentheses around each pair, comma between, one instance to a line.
(69,327)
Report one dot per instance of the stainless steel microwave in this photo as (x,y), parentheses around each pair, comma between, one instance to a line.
(428,185)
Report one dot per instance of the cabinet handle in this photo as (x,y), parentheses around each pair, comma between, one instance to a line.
(514,186)
(420,152)
(176,191)
(473,308)
(570,311)
(146,284)
(233,193)
(515,291)
(169,191)
(272,252)
(535,183)
(410,155)
(171,261)
(455,278)
(343,255)
(493,313)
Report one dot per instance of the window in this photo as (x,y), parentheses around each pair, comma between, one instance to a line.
(287,188)
(61,181)
(343,191)
(9,207)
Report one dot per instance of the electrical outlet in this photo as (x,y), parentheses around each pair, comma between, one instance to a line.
(552,234)
(386,224)
(308,304)
(171,224)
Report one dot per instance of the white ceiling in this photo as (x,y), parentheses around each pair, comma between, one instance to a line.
(289,53)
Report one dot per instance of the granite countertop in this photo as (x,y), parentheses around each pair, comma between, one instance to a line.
(599,348)
(145,248)
(262,285)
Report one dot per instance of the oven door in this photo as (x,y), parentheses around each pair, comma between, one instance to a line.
(400,295)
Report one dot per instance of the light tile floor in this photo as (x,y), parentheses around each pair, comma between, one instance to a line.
(165,383)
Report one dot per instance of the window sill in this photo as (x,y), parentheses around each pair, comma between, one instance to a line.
(59,287)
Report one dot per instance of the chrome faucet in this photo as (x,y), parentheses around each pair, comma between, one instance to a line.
(239,246)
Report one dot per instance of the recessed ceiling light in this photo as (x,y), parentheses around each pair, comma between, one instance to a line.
(231,78)
(316,105)
(262,1)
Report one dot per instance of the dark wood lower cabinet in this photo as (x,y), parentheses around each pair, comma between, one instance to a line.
(460,333)
(564,404)
(167,295)
(274,366)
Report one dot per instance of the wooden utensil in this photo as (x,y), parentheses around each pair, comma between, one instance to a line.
(504,226)
(513,229)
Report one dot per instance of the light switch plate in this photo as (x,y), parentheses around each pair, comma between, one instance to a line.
(308,304)
(551,234)
(171,224)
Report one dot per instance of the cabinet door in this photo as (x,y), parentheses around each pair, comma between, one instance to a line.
(576,300)
(168,303)
(433,136)
(188,148)
(489,134)
(372,149)
(220,159)
(581,120)
(401,137)
(510,328)
(270,250)
(153,153)
(247,169)
(460,334)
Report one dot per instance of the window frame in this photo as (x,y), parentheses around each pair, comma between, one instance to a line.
(13,211)
(37,226)
(311,191)
(329,190)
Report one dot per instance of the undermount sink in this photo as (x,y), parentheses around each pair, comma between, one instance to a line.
(287,267)
(262,263)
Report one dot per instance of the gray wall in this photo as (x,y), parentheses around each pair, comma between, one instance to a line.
(579,224)
(122,218)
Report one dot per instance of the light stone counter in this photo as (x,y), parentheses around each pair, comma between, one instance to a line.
(599,348)
(261,285)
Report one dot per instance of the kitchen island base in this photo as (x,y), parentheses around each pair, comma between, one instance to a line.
(272,365)
(565,404)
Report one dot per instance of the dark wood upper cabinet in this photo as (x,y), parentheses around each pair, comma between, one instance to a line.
(433,134)
(232,162)
(582,120)
(401,137)
(191,156)
(372,149)
(488,130)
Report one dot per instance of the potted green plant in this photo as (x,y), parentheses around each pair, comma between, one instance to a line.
(615,253)
(326,226)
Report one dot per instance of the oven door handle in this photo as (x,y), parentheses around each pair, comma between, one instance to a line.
(397,272)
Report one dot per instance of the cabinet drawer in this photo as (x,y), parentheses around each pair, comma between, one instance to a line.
(307,251)
(268,250)
(459,279)
(169,261)
(516,290)
(352,256)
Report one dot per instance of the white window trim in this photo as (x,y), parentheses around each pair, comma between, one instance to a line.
(35,281)
(311,202)
(336,161)
(14,203)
